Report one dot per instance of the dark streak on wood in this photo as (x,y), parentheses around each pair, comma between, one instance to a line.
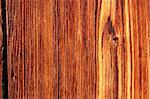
(3,55)
(1,49)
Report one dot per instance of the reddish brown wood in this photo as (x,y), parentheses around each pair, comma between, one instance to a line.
(32,49)
(78,49)
(52,49)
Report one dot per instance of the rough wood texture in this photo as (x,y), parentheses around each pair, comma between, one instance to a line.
(51,49)
(78,49)
(124,51)
(32,49)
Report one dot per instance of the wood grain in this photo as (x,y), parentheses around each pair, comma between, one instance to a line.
(32,49)
(124,49)
(51,49)
(78,49)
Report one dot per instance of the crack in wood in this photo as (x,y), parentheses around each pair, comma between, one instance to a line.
(4,31)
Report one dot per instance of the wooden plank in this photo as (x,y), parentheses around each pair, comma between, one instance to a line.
(52,49)
(77,49)
(124,49)
(32,49)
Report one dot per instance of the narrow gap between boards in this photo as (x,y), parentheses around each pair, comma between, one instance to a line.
(4,51)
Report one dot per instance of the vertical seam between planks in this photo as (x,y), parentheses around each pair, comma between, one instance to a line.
(4,47)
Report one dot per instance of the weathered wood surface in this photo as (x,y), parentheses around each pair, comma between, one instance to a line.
(52,49)
(78,49)
(124,51)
